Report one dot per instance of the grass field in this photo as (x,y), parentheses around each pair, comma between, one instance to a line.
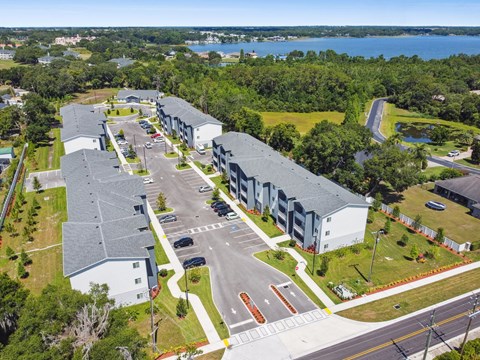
(434,170)
(287,266)
(393,115)
(214,355)
(458,225)
(173,141)
(180,167)
(171,155)
(392,261)
(94,96)
(303,121)
(468,162)
(8,64)
(204,168)
(172,331)
(413,300)
(84,53)
(203,290)
(47,264)
(160,255)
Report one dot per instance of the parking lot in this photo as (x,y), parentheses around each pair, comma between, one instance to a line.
(228,246)
(48,179)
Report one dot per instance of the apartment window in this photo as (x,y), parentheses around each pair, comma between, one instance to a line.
(94,140)
(327,232)
(136,265)
(329,219)
(138,280)
(198,136)
(139,296)
(273,198)
(325,247)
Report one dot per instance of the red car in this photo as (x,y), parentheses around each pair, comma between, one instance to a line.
(156,135)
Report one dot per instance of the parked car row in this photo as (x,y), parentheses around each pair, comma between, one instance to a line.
(144,124)
(168,218)
(223,209)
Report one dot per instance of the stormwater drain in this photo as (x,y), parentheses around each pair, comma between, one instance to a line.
(396,307)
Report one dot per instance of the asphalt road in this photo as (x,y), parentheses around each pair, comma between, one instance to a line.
(404,338)
(228,246)
(373,123)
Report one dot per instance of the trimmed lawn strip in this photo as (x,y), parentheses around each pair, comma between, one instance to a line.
(203,290)
(416,299)
(468,162)
(132,161)
(434,170)
(214,355)
(47,264)
(160,255)
(172,331)
(392,261)
(171,155)
(455,220)
(268,227)
(217,180)
(58,149)
(94,96)
(175,141)
(181,168)
(167,210)
(121,112)
(8,64)
(287,266)
(141,172)
(204,168)
(303,121)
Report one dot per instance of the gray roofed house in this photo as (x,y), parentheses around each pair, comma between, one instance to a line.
(302,203)
(7,54)
(107,231)
(136,96)
(47,60)
(122,62)
(75,54)
(83,128)
(191,125)
(465,190)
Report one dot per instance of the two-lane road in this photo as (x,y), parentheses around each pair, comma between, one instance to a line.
(373,123)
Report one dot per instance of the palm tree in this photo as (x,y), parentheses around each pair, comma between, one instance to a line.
(395,139)
(420,153)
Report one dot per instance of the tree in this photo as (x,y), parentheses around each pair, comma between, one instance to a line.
(414,252)
(12,302)
(266,213)
(21,198)
(420,153)
(388,225)
(283,137)
(121,133)
(190,352)
(224,177)
(476,152)
(439,135)
(396,212)
(242,56)
(440,237)
(162,202)
(117,112)
(249,121)
(21,272)
(417,222)
(24,258)
(131,153)
(27,234)
(35,204)
(404,240)
(324,266)
(131,110)
(353,110)
(377,202)
(181,308)
(215,193)
(10,253)
(37,186)
(9,228)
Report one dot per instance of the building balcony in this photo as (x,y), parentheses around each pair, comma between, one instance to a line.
(282,203)
(298,229)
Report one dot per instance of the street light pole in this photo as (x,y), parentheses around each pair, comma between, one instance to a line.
(154,345)
(314,252)
(471,316)
(145,159)
(429,337)
(377,239)
(186,288)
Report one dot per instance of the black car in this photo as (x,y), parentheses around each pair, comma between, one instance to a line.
(167,218)
(224,211)
(221,207)
(216,203)
(193,262)
(183,242)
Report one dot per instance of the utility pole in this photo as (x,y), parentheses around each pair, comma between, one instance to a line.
(430,332)
(186,288)
(134,143)
(377,240)
(145,160)
(471,317)
(154,345)
(314,253)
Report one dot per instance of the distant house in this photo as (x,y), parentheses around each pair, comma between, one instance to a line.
(6,155)
(191,125)
(7,54)
(464,190)
(251,55)
(107,239)
(122,62)
(83,128)
(440,98)
(47,60)
(137,96)
(71,53)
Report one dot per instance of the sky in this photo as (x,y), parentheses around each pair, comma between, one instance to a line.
(238,13)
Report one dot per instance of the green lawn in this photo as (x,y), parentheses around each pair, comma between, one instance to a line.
(182,167)
(121,112)
(468,162)
(205,168)
(167,210)
(175,141)
(287,266)
(172,331)
(8,64)
(171,155)
(392,261)
(457,223)
(434,170)
(47,264)
(142,172)
(160,255)
(214,355)
(413,300)
(217,180)
(203,290)
(94,96)
(58,149)
(303,121)
(47,155)
(132,161)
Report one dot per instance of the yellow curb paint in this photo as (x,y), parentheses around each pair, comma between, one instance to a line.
(164,236)
(328,311)
(225,341)
(244,220)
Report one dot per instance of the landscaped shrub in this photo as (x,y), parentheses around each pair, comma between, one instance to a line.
(396,212)
(377,203)
(450,173)
(181,308)
(279,254)
(388,226)
(195,276)
(404,240)
(163,272)
(292,243)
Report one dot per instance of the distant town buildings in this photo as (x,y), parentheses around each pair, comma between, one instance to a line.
(137,96)
(73,40)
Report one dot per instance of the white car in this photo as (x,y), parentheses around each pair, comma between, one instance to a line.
(122,142)
(147,180)
(159,140)
(148,145)
(232,216)
(454,153)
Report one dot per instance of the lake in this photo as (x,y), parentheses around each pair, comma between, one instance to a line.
(426,47)
(414,132)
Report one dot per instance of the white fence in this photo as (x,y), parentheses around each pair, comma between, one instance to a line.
(427,231)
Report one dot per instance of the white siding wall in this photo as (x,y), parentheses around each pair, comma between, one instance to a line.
(205,133)
(81,143)
(120,277)
(346,227)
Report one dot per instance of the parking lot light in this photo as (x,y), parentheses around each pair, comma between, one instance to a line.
(186,288)
(377,240)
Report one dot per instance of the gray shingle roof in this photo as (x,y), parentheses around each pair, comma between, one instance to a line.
(141,94)
(80,120)
(71,53)
(102,221)
(258,160)
(467,186)
(8,52)
(47,59)
(122,62)
(183,110)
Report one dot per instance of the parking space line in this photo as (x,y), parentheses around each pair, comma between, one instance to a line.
(192,254)
(262,244)
(244,241)
(187,247)
(239,236)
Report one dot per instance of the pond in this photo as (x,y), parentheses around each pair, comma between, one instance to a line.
(415,132)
